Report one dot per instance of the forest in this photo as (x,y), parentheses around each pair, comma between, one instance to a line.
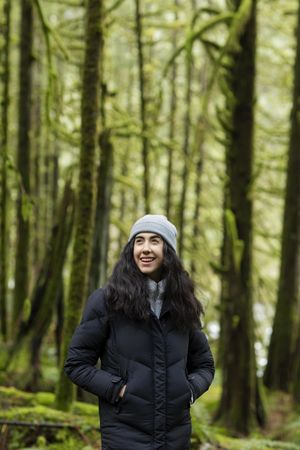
(113,109)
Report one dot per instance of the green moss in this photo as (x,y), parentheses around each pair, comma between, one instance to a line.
(85,409)
(37,408)
(11,395)
(291,432)
(44,398)
(228,443)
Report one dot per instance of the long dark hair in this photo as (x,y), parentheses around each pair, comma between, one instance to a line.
(126,290)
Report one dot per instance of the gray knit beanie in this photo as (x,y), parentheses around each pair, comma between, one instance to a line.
(155,223)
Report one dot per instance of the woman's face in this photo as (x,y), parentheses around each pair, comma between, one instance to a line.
(148,254)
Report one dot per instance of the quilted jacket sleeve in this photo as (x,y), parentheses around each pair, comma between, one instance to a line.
(200,363)
(85,348)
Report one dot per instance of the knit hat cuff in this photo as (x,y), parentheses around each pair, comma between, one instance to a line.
(155,224)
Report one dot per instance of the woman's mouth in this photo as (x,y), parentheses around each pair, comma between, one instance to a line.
(147,260)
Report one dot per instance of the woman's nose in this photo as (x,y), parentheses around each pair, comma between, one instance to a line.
(146,247)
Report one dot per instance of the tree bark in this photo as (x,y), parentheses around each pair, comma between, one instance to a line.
(143,106)
(98,270)
(199,146)
(196,215)
(185,146)
(172,120)
(278,371)
(23,160)
(86,196)
(47,290)
(296,367)
(124,204)
(4,144)
(36,155)
(240,407)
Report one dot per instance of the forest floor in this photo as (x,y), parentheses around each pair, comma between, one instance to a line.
(30,421)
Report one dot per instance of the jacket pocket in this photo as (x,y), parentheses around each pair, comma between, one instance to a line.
(122,400)
(124,374)
(191,392)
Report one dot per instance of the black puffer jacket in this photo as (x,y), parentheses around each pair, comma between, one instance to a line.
(160,366)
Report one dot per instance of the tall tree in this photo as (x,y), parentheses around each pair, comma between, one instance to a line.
(199,150)
(5,65)
(125,158)
(98,270)
(295,388)
(278,371)
(45,295)
(143,105)
(37,149)
(23,159)
(172,120)
(85,201)
(186,142)
(240,405)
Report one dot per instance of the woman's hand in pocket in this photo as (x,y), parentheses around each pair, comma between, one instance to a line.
(122,391)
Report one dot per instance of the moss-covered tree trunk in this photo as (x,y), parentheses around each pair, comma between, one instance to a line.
(124,204)
(143,105)
(98,270)
(85,200)
(49,287)
(5,70)
(23,160)
(197,207)
(172,122)
(296,366)
(99,262)
(240,407)
(199,150)
(46,293)
(37,149)
(182,207)
(278,371)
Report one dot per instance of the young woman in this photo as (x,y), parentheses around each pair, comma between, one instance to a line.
(145,328)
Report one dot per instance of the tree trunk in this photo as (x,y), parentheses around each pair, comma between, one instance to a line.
(143,106)
(296,366)
(23,160)
(37,151)
(278,371)
(224,294)
(4,144)
(240,406)
(199,150)
(60,313)
(124,204)
(47,290)
(172,121)
(185,148)
(51,276)
(85,203)
(98,270)
(196,216)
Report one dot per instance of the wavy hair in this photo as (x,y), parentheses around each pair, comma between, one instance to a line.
(126,290)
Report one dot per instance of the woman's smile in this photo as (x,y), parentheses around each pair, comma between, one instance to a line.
(147,260)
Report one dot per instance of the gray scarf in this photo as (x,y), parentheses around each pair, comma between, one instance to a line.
(155,296)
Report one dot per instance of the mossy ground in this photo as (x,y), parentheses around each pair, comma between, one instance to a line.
(78,431)
(80,427)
